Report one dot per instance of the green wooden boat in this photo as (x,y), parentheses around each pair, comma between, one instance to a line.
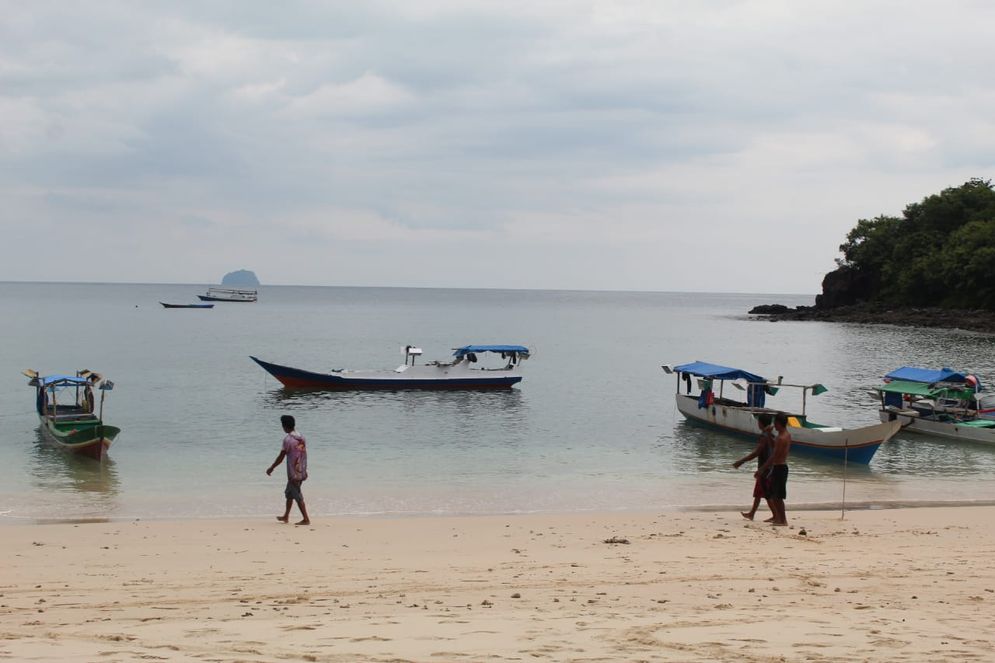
(65,405)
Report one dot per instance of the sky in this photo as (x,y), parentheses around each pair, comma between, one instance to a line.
(718,146)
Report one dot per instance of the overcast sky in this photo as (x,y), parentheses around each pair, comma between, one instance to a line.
(718,146)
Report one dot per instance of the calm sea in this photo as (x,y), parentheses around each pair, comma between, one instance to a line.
(592,426)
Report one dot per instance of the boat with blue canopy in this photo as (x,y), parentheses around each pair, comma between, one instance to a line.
(464,371)
(65,405)
(706,401)
(942,402)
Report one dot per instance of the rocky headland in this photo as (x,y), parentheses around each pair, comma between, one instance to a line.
(932,266)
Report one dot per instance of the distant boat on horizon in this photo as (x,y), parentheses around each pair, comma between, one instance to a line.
(229,295)
(165,305)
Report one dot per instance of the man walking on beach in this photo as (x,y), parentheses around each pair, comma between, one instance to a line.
(295,451)
(761,453)
(776,469)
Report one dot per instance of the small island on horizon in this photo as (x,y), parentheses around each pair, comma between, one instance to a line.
(934,266)
(240,278)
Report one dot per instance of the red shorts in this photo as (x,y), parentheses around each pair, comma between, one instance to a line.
(760,489)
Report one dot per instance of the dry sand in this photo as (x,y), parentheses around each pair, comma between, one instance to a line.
(895,585)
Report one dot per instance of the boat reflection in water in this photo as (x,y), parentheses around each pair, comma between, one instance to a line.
(80,487)
(402,420)
(702,450)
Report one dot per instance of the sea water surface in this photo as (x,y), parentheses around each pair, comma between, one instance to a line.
(592,427)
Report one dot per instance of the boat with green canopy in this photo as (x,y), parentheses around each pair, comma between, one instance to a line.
(707,402)
(942,402)
(65,405)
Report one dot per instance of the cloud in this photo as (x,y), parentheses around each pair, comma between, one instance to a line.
(633,135)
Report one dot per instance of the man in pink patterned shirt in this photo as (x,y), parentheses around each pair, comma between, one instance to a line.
(295,451)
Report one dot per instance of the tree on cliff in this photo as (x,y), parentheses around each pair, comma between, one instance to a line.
(940,252)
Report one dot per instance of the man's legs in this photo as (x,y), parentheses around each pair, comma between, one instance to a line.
(752,512)
(286,514)
(779,517)
(300,505)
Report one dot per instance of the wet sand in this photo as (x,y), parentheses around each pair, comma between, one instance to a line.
(895,585)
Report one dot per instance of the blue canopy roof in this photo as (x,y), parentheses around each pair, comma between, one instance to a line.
(926,375)
(705,370)
(49,380)
(508,349)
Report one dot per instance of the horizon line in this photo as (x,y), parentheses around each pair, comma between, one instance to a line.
(405,287)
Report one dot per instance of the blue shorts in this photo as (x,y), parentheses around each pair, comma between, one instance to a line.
(293,491)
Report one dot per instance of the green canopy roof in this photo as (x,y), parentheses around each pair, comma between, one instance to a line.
(921,389)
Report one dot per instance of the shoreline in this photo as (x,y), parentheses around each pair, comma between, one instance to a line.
(803,507)
(979,321)
(896,584)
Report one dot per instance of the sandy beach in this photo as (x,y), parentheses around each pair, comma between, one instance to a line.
(910,584)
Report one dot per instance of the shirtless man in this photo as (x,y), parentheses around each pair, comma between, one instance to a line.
(776,469)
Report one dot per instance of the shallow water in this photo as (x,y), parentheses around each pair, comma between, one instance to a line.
(591,427)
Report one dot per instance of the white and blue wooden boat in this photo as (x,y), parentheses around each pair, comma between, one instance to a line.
(942,402)
(705,402)
(462,372)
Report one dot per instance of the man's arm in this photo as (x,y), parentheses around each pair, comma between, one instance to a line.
(279,459)
(753,454)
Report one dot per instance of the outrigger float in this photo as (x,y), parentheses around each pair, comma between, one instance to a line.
(460,373)
(940,402)
(67,420)
(706,404)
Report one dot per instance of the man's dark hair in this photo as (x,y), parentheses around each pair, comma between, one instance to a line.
(288,422)
(765,419)
(781,419)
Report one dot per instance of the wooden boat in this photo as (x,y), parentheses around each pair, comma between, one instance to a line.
(460,373)
(229,295)
(165,305)
(709,406)
(943,402)
(65,405)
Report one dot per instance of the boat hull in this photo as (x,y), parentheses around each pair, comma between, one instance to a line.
(165,305)
(950,430)
(857,445)
(415,377)
(87,438)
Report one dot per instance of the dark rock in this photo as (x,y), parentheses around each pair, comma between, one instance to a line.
(769,309)
(844,286)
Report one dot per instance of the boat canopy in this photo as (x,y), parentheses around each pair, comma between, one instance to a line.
(505,349)
(62,380)
(705,370)
(925,375)
(907,387)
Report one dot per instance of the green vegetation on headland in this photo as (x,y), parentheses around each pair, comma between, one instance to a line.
(932,266)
